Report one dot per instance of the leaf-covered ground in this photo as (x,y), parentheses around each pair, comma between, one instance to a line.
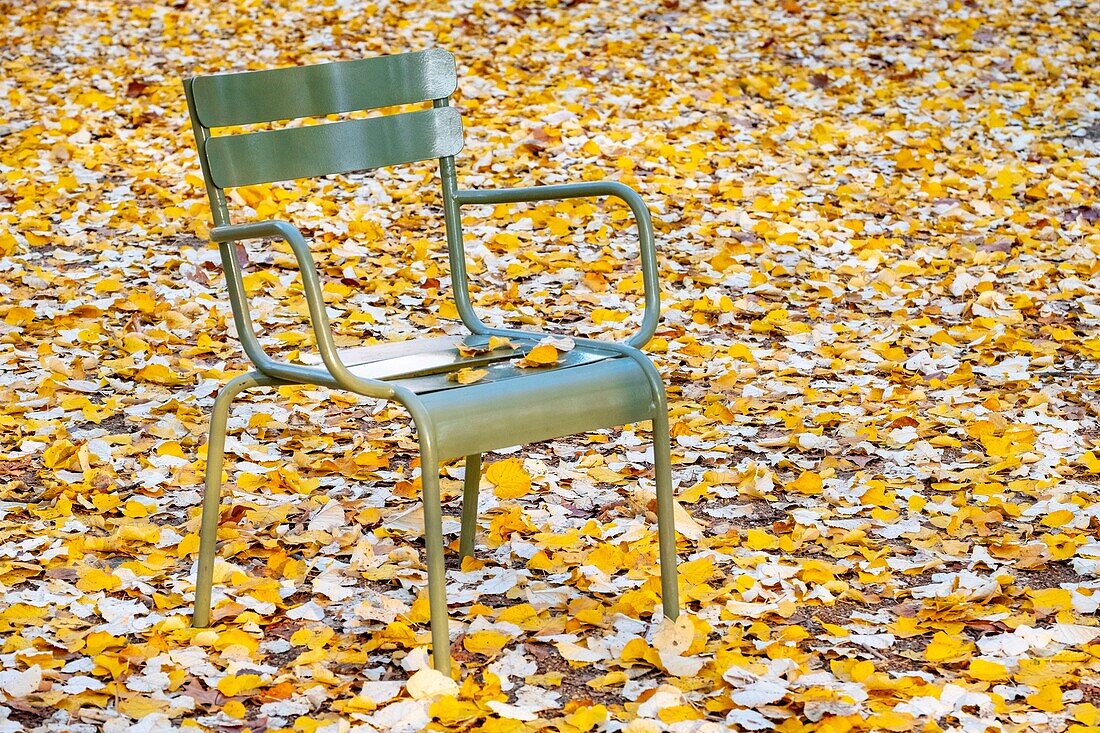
(879,243)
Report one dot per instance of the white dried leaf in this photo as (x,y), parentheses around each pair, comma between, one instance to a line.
(749,720)
(428,683)
(575,653)
(514,712)
(327,518)
(672,640)
(15,684)
(1074,634)
(760,692)
(306,612)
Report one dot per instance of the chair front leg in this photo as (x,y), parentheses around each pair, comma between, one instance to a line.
(666,523)
(469,505)
(433,545)
(215,455)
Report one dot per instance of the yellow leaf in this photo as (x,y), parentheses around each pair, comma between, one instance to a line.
(235,637)
(507,240)
(452,712)
(60,454)
(135,509)
(509,478)
(467,376)
(946,648)
(983,669)
(235,709)
(189,545)
(862,670)
(1086,713)
(488,643)
(1091,461)
(541,356)
(19,316)
(147,533)
(94,579)
(758,539)
(892,721)
(160,374)
(1050,600)
(238,684)
(108,285)
(604,315)
(740,351)
(1048,699)
(1058,518)
(585,719)
(697,572)
(808,483)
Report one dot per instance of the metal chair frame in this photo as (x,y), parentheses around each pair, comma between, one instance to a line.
(616,384)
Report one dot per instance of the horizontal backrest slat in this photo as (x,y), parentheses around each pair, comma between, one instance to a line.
(335,147)
(253,97)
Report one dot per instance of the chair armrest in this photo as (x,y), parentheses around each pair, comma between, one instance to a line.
(315,301)
(589,190)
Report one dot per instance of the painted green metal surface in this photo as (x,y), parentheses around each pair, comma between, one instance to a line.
(337,147)
(588,189)
(599,384)
(559,402)
(253,97)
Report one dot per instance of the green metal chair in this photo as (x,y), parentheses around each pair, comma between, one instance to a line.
(596,385)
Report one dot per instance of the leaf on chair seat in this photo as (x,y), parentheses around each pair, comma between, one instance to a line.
(546,352)
(494,343)
(543,355)
(467,376)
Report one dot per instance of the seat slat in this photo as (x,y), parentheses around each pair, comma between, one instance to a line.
(253,97)
(392,350)
(425,365)
(499,370)
(337,147)
(486,416)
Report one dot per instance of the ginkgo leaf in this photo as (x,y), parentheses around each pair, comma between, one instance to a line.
(672,641)
(468,376)
(488,643)
(327,518)
(16,684)
(509,478)
(239,684)
(428,683)
(541,355)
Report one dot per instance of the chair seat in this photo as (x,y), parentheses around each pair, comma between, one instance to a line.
(587,389)
(539,406)
(429,364)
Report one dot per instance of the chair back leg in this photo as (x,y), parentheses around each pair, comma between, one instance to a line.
(666,523)
(469,505)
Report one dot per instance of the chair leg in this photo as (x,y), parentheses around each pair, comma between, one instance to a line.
(215,455)
(469,505)
(437,573)
(666,527)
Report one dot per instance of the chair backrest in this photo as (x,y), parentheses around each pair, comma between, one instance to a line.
(256,97)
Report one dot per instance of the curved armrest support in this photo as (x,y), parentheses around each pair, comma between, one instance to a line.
(588,190)
(311,285)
